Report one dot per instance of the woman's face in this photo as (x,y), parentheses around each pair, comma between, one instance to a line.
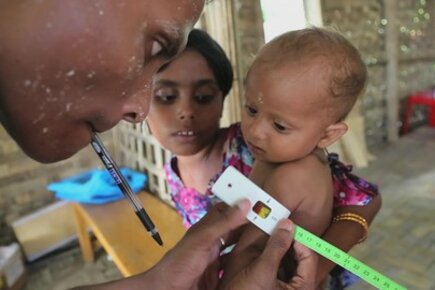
(186,105)
(70,67)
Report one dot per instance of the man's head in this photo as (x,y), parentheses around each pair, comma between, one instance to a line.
(70,67)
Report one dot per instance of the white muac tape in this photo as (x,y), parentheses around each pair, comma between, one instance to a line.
(233,186)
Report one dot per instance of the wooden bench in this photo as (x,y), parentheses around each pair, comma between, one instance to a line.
(123,237)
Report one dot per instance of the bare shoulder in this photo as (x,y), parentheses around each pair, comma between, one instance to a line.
(299,176)
(305,188)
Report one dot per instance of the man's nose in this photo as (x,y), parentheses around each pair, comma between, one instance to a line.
(135,110)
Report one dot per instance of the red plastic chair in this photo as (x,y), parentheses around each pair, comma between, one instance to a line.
(420,98)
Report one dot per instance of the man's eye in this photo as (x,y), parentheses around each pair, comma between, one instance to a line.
(156,48)
(204,99)
(250,110)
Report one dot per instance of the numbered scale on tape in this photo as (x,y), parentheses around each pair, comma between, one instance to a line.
(232,186)
(344,260)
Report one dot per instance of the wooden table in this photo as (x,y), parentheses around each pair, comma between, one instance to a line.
(122,235)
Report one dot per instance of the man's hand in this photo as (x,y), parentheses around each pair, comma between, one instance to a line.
(194,262)
(261,271)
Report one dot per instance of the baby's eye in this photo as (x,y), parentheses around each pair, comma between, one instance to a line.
(156,48)
(250,110)
(279,127)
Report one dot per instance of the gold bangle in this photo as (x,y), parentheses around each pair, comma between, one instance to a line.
(354,218)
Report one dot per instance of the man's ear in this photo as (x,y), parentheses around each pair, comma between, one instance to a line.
(332,134)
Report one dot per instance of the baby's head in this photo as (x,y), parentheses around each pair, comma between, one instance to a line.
(339,63)
(304,81)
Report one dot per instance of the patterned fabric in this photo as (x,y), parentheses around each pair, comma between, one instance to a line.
(192,205)
(349,189)
(340,278)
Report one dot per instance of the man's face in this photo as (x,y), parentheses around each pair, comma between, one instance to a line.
(70,67)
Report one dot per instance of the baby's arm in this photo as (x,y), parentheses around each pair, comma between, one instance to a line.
(344,234)
(302,187)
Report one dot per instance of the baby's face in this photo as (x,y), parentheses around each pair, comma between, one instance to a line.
(186,105)
(70,67)
(285,114)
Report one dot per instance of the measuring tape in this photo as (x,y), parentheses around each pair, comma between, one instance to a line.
(344,260)
(233,185)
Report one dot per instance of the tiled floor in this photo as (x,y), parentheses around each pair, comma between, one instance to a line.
(401,242)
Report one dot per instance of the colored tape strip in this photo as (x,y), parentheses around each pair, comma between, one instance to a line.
(344,260)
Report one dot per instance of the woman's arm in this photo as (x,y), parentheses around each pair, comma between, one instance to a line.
(346,234)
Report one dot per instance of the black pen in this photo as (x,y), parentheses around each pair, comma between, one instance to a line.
(125,188)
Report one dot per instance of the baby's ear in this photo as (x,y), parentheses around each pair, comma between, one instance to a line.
(332,134)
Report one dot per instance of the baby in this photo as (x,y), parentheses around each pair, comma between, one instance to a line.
(299,90)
